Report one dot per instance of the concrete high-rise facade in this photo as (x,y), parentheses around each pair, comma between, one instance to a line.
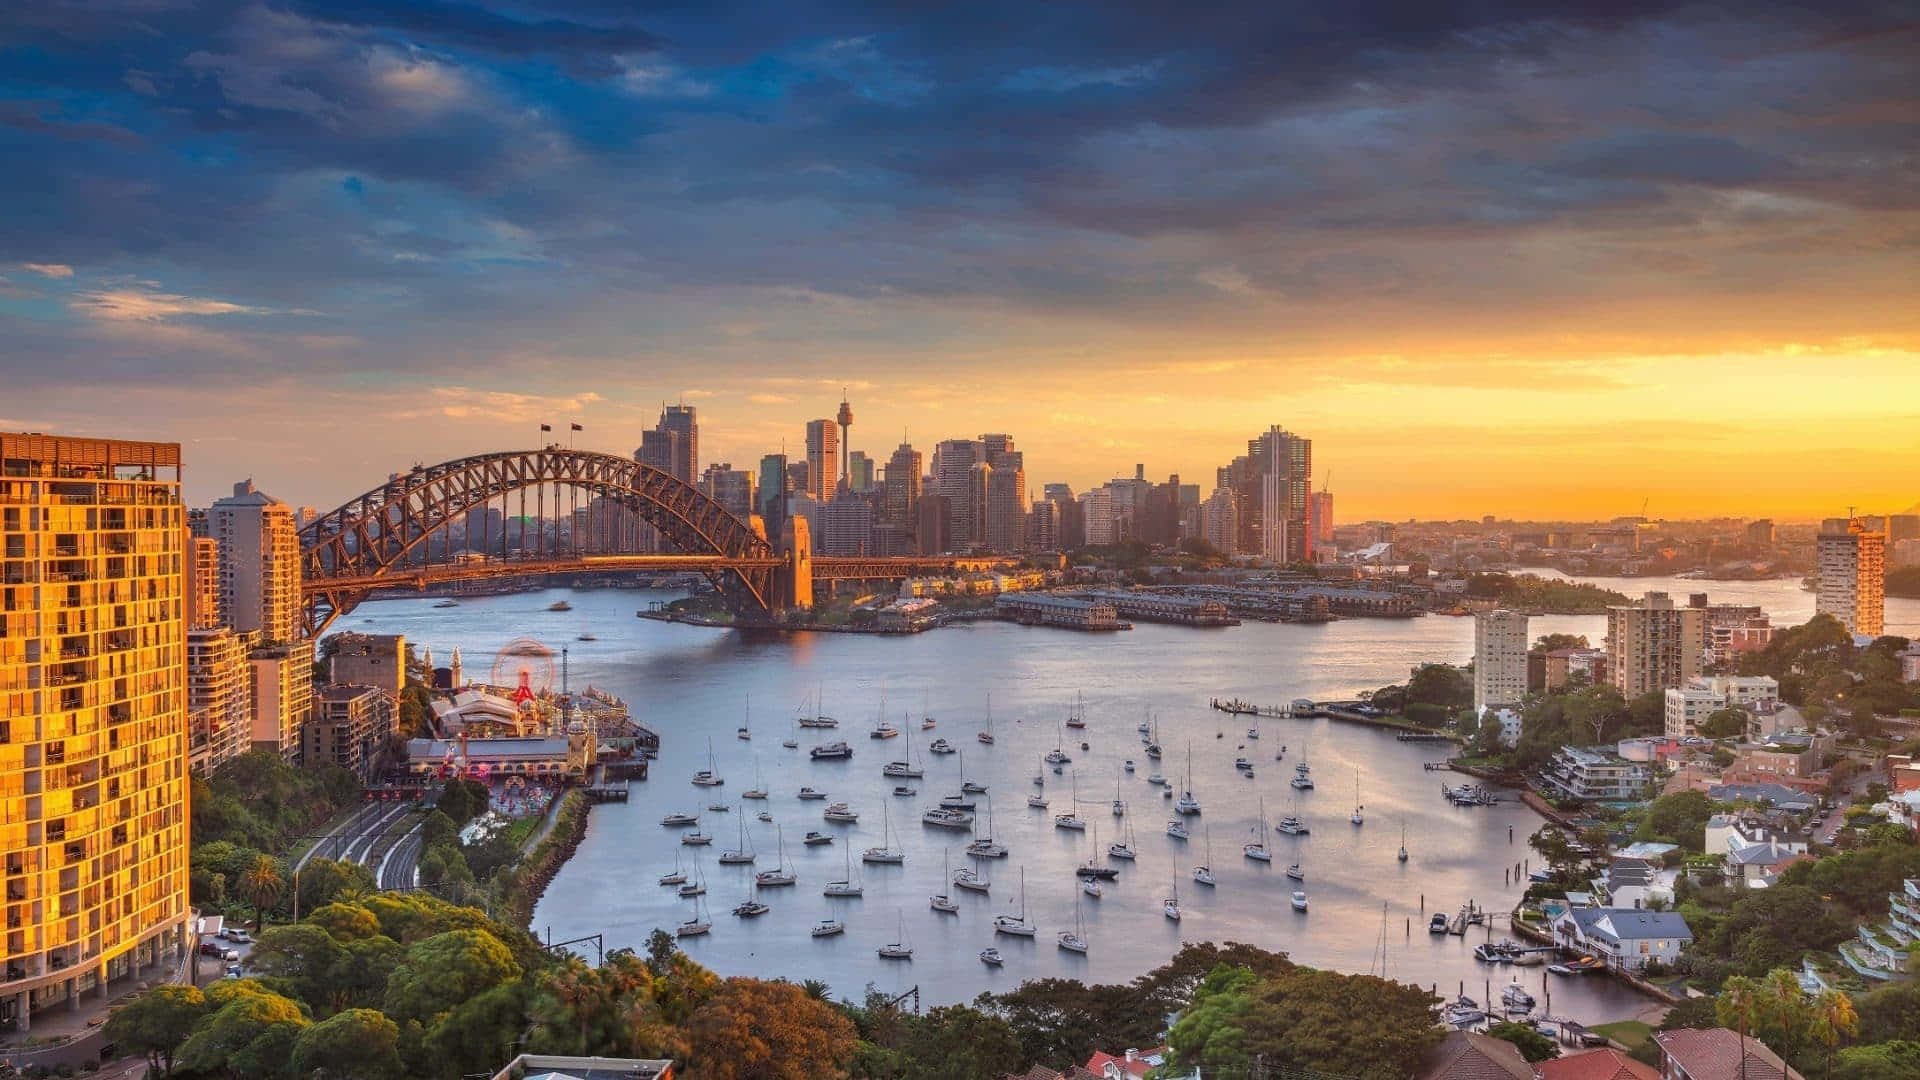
(220,696)
(846,526)
(93,719)
(1043,526)
(859,471)
(1096,517)
(823,458)
(1850,567)
(1220,521)
(1499,659)
(902,483)
(282,696)
(259,564)
(953,462)
(1005,524)
(932,524)
(730,487)
(1653,644)
(376,660)
(1283,462)
(683,423)
(1320,515)
(203,584)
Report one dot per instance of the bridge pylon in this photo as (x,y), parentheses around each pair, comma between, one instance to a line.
(796,579)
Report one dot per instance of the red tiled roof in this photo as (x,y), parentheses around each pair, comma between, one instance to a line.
(1714,1054)
(1606,1064)
(1469,1055)
(1139,1066)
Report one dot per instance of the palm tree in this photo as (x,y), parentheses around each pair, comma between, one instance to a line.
(816,989)
(1738,1004)
(263,885)
(1833,1016)
(577,987)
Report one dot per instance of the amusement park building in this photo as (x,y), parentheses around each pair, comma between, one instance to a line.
(549,756)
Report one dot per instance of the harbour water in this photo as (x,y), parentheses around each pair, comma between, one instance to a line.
(692,684)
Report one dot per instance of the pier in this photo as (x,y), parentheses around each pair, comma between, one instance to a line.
(606,793)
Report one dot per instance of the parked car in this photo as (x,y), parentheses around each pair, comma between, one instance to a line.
(239,936)
(233,971)
(210,948)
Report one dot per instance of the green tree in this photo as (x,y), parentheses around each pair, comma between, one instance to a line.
(156,1023)
(1211,1034)
(1066,1019)
(1534,1046)
(345,922)
(321,880)
(358,1044)
(1834,1018)
(263,885)
(1727,723)
(1680,818)
(444,970)
(1897,1060)
(1359,1025)
(958,1042)
(249,1036)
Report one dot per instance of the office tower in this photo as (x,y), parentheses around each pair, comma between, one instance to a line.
(1320,515)
(1850,569)
(1057,492)
(1005,518)
(932,524)
(1653,645)
(770,498)
(823,459)
(1284,462)
(978,491)
(259,564)
(660,448)
(1760,533)
(902,483)
(203,583)
(845,526)
(1499,659)
(797,478)
(1220,521)
(683,422)
(93,720)
(845,419)
(953,462)
(859,471)
(220,697)
(1043,523)
(376,660)
(730,487)
(1096,517)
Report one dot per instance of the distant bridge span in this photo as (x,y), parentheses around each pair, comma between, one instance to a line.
(381,539)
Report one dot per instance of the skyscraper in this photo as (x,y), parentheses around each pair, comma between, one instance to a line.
(93,719)
(730,487)
(1005,524)
(902,483)
(770,498)
(1653,645)
(846,441)
(1851,568)
(684,424)
(1283,462)
(859,471)
(953,462)
(823,458)
(259,564)
(1499,659)
(1320,516)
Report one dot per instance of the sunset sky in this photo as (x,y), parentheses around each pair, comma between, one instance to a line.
(1510,259)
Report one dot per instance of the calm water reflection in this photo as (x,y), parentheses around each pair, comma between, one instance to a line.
(691,683)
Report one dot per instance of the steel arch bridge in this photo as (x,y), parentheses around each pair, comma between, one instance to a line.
(376,541)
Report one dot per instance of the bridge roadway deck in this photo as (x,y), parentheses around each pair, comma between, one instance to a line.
(824,567)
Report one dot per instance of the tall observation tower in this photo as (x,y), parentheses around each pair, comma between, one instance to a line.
(846,460)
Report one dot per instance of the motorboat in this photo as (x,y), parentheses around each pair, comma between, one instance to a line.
(1301,783)
(763,816)
(1153,751)
(1127,765)
(1037,802)
(926,724)
(811,793)
(1253,733)
(831,752)
(1437,924)
(1463,1012)
(719,808)
(884,731)
(902,769)
(1092,888)
(947,818)
(1098,873)
(1084,746)
(1243,764)
(829,927)
(749,909)
(1487,952)
(586,637)
(1170,907)
(447,604)
(1515,998)
(1156,779)
(559,605)
(956,802)
(743,734)
(695,839)
(940,746)
(1292,826)
(904,791)
(815,839)
(1057,756)
(674,819)
(1177,830)
(1296,872)
(991,957)
(985,848)
(1298,900)
(1144,728)
(841,813)
(973,787)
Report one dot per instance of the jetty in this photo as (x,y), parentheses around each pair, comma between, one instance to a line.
(607,792)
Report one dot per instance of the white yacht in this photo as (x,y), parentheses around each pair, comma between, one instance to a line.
(1072,940)
(947,818)
(1177,830)
(1299,900)
(709,776)
(969,879)
(676,819)
(782,873)
(833,751)
(1037,802)
(840,812)
(991,957)
(940,746)
(846,885)
(1203,874)
(886,852)
(1016,925)
(695,839)
(811,793)
(901,948)
(1069,821)
(1256,848)
(742,852)
(697,925)
(943,902)
(829,927)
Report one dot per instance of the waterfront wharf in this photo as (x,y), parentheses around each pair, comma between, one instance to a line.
(606,793)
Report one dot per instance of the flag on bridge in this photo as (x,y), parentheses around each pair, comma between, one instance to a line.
(546,427)
(576,427)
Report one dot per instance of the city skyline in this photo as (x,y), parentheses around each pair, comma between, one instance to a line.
(1453,238)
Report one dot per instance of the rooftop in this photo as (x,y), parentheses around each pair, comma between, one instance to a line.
(1469,1055)
(1603,1064)
(1715,1054)
(564,1067)
(1630,924)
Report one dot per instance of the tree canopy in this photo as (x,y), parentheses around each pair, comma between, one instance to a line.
(1354,1025)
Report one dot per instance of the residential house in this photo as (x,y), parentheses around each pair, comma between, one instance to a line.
(1881,951)
(1718,1054)
(1131,1065)
(1469,1055)
(1634,883)
(1779,796)
(1603,1064)
(1625,937)
(1593,775)
(1757,866)
(1727,833)
(566,1067)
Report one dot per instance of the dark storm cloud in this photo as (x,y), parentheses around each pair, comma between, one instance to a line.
(463,166)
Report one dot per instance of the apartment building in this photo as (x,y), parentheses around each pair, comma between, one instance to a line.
(1499,659)
(1654,644)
